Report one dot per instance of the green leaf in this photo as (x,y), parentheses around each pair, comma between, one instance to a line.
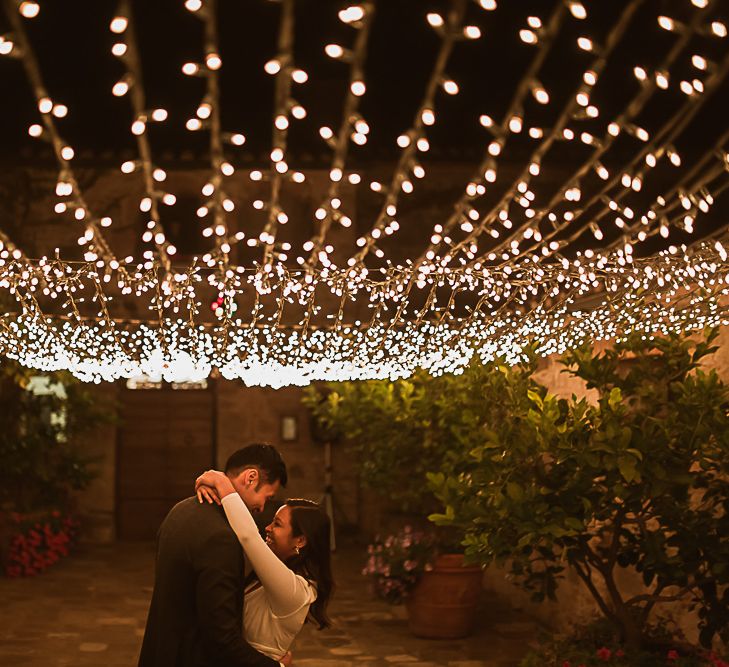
(615,398)
(534,397)
(626,465)
(514,491)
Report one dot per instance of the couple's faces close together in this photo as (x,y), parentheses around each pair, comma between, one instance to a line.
(279,534)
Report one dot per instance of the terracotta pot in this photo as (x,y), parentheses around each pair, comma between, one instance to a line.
(443,604)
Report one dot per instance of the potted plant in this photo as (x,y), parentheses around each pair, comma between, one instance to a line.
(441,595)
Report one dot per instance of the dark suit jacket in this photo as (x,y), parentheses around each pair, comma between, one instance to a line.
(195,618)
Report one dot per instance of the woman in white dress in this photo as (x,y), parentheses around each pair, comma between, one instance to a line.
(292,577)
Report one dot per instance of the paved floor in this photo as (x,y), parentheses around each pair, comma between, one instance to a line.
(91,608)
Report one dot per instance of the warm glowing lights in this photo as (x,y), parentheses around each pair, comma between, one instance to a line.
(332,50)
(120,88)
(299,76)
(272,67)
(577,9)
(667,23)
(585,43)
(507,254)
(118,24)
(213,61)
(450,87)
(29,9)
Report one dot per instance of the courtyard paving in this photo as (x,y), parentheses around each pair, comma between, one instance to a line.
(90,610)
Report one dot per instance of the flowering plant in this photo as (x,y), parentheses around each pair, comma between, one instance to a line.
(397,562)
(597,645)
(37,541)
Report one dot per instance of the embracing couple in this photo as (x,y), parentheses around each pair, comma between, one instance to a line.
(224,597)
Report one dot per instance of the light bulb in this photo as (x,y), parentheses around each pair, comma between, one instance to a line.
(450,87)
(29,9)
(577,9)
(213,61)
(120,88)
(351,14)
(272,67)
(334,51)
(299,76)
(118,24)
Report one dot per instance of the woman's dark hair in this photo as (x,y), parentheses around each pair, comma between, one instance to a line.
(314,561)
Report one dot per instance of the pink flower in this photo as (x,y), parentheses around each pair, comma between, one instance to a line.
(604,653)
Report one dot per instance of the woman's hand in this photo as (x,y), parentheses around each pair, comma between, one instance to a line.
(207,493)
(213,485)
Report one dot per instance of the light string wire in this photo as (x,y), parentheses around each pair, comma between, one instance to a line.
(68,184)
(123,25)
(282,103)
(657,146)
(488,161)
(327,213)
(415,138)
(613,39)
(603,145)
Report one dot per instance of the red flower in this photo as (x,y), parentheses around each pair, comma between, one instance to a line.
(604,653)
(566,663)
(672,655)
(619,653)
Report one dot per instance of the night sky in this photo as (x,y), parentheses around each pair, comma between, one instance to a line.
(72,41)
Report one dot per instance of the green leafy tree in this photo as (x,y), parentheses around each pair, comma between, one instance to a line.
(42,463)
(400,431)
(637,480)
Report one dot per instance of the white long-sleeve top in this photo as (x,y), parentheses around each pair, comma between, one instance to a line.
(274,613)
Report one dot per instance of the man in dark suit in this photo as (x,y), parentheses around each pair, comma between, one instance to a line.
(196,615)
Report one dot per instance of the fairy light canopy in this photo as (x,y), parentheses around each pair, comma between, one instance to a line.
(480,176)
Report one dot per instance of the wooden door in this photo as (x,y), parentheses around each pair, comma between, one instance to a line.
(165,440)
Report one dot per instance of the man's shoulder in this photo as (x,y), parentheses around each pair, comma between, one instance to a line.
(197,516)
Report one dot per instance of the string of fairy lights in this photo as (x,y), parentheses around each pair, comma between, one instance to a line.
(486,281)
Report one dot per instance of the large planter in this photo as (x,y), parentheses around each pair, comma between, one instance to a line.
(443,603)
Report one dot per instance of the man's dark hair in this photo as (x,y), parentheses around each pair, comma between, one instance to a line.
(265,458)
